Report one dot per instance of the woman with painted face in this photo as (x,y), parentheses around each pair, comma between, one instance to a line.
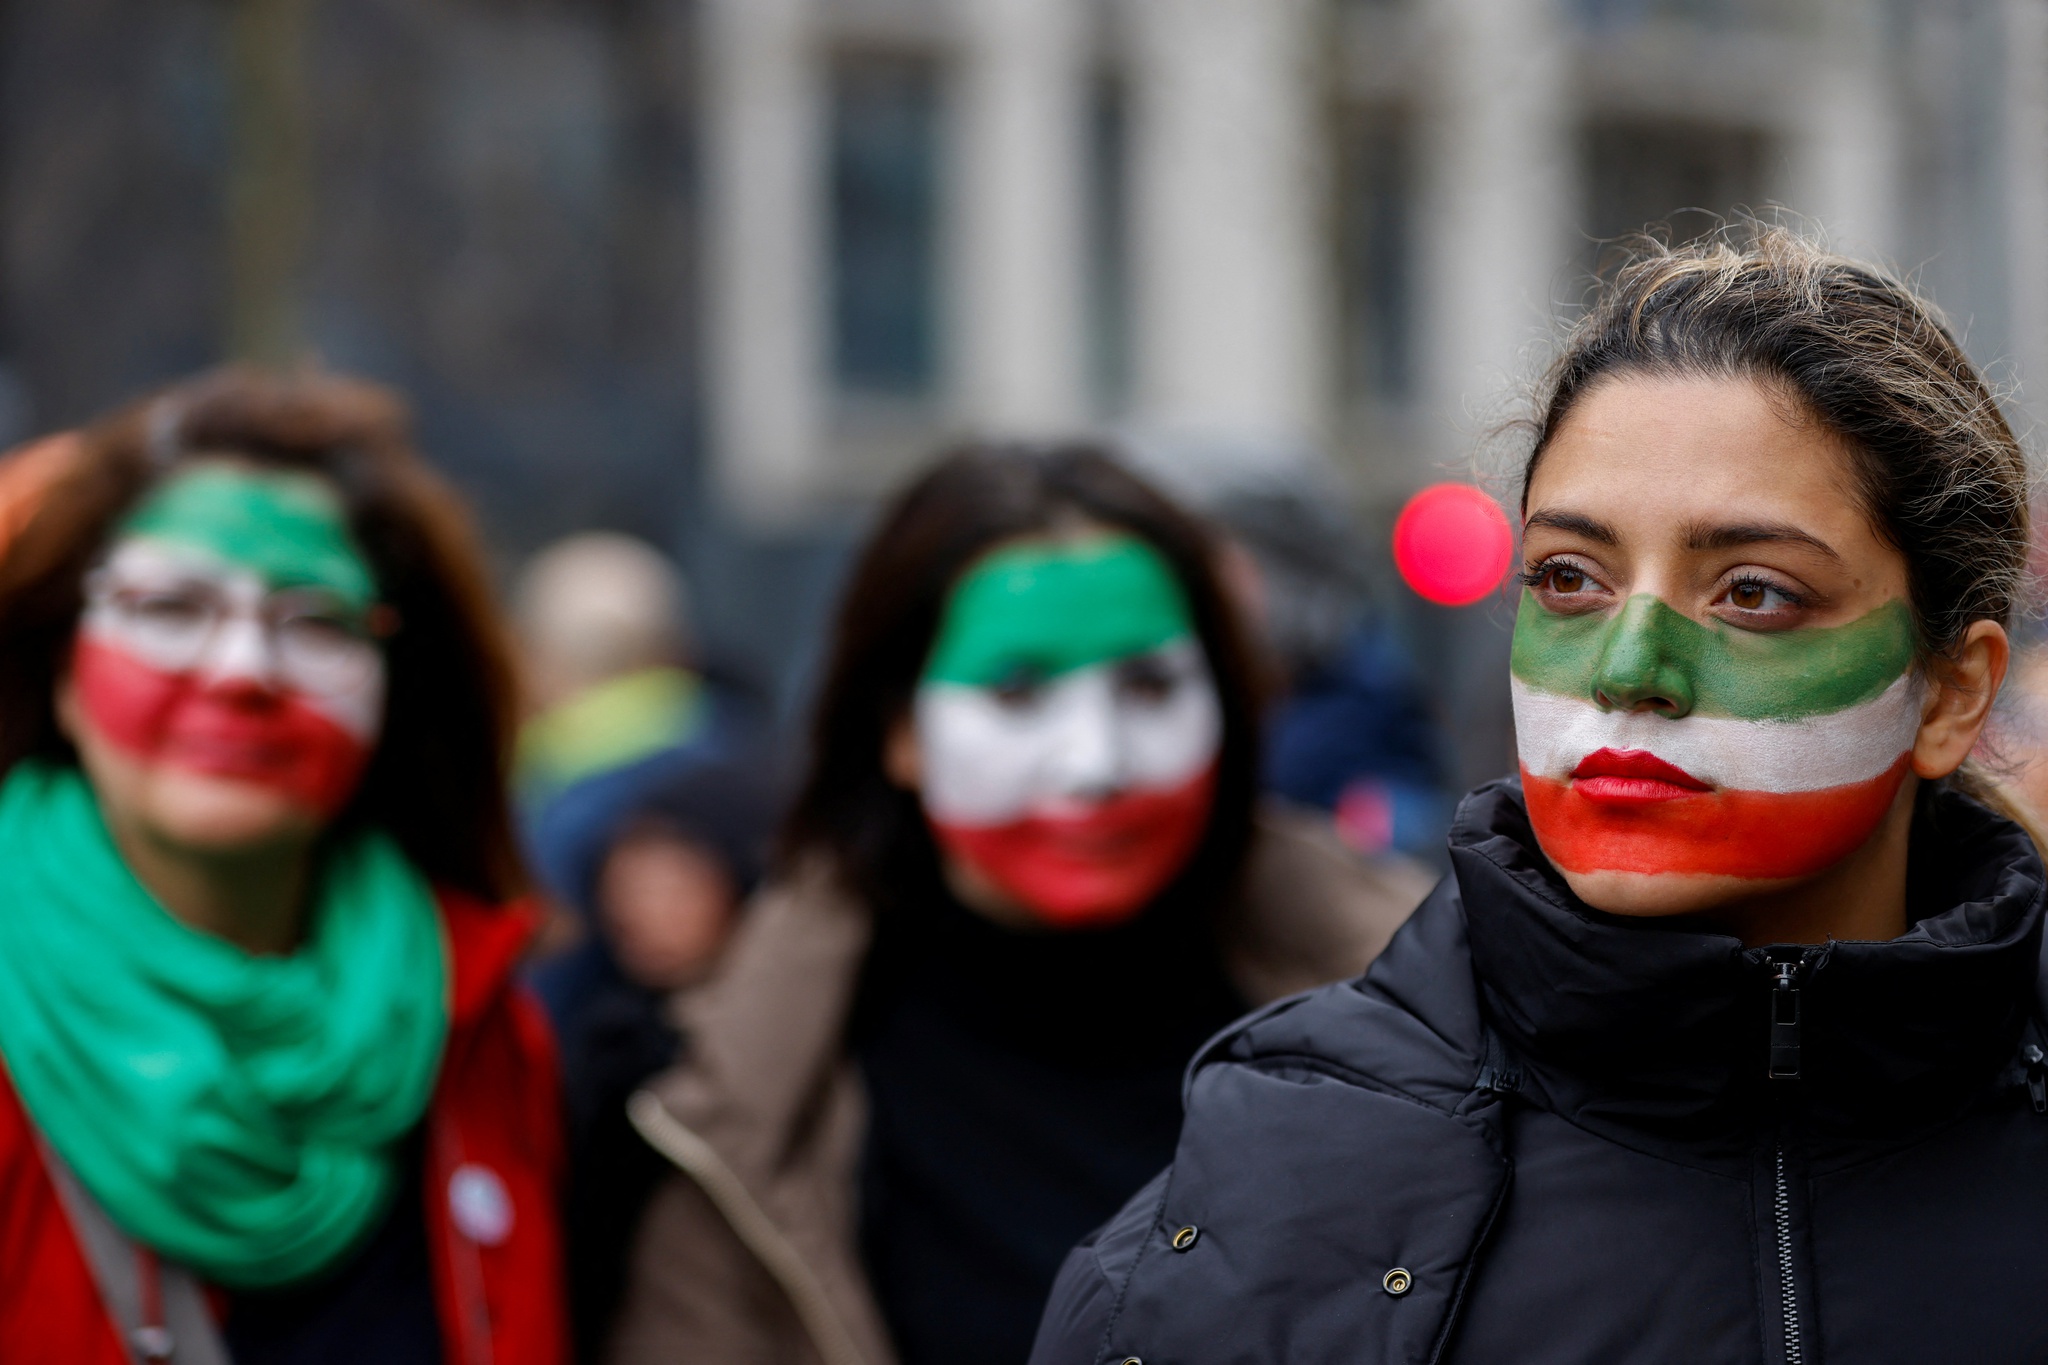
(1023,880)
(1723,1041)
(268,1092)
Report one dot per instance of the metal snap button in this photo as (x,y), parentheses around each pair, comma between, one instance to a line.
(1185,1238)
(1397,1282)
(1130,1360)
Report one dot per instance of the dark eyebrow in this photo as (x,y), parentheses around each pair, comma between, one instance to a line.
(1576,524)
(1701,536)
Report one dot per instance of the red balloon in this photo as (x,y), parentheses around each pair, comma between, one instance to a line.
(1452,543)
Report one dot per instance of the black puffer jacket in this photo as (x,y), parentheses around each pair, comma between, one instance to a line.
(1536,1133)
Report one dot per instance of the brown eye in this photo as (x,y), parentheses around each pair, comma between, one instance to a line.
(1145,679)
(1564,578)
(168,608)
(1760,596)
(1020,686)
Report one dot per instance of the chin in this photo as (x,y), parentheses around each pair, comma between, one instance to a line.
(1656,895)
(213,814)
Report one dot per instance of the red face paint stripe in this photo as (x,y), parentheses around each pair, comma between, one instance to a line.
(1095,868)
(244,733)
(1761,836)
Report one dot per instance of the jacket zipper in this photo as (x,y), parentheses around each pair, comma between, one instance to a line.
(1785,1066)
(1781,1204)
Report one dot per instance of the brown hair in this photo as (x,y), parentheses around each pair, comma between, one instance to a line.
(1936,467)
(1939,472)
(437,781)
(969,501)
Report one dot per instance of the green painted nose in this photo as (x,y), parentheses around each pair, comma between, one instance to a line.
(1639,669)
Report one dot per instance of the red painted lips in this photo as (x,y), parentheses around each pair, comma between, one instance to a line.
(1094,869)
(1632,776)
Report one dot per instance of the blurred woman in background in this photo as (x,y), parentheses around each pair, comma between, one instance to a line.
(269,1093)
(1023,880)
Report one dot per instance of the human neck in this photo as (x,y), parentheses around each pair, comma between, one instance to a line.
(253,898)
(1863,897)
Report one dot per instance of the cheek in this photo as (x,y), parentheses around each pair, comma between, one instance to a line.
(978,761)
(126,702)
(1095,867)
(308,751)
(1785,799)
(1733,836)
(357,712)
(1165,743)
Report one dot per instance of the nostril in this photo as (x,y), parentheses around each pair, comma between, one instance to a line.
(1608,701)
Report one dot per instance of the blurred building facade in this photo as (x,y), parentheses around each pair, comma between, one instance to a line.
(719,272)
(1334,223)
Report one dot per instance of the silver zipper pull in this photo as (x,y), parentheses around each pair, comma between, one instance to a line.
(1785,1021)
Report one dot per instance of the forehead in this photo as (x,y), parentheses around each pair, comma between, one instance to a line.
(288,527)
(1061,603)
(1092,569)
(1648,454)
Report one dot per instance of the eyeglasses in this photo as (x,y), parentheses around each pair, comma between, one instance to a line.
(317,642)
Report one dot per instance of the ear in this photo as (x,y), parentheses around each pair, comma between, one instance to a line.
(1960,691)
(902,758)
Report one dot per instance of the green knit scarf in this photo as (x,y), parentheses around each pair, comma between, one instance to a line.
(235,1113)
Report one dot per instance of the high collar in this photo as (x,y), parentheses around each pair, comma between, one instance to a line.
(1019,987)
(1664,1030)
(485,945)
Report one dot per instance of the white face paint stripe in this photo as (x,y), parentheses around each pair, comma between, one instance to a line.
(240,649)
(1553,733)
(989,762)
(146,563)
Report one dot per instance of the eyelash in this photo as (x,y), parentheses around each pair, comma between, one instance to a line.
(1535,574)
(1792,598)
(1530,577)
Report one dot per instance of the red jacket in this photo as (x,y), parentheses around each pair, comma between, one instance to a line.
(494,1119)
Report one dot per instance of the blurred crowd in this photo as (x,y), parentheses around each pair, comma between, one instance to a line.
(530,988)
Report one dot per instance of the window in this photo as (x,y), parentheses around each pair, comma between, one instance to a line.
(1375,225)
(1684,177)
(1609,14)
(885,268)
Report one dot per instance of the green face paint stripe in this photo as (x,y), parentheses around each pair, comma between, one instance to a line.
(1649,647)
(287,527)
(1057,606)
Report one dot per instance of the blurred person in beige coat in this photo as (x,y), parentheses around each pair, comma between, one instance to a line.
(1027,874)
